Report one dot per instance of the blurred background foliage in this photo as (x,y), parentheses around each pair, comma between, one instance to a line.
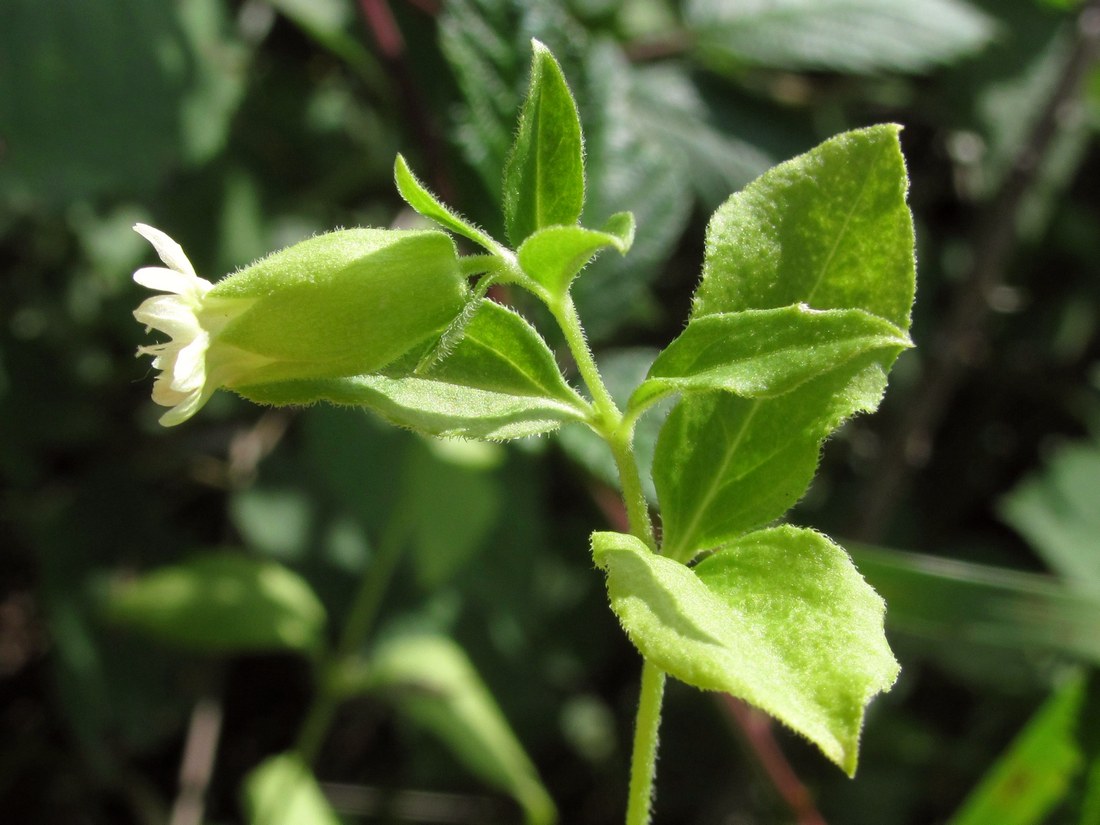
(971,501)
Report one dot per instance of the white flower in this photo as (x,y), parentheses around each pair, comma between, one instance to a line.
(183,383)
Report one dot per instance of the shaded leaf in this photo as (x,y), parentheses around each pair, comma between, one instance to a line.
(222,602)
(780,618)
(431,680)
(544,173)
(284,791)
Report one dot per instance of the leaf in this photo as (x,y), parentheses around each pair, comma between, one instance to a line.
(765,353)
(553,256)
(829,229)
(222,602)
(424,202)
(725,465)
(857,36)
(951,601)
(499,382)
(781,619)
(284,791)
(1035,772)
(544,173)
(431,680)
(1057,512)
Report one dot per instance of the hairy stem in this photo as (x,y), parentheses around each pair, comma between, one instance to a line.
(643,760)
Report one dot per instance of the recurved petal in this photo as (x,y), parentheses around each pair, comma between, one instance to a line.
(169,280)
(190,404)
(189,368)
(170,252)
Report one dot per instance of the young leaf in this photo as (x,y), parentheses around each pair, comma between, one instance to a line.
(431,680)
(223,602)
(284,791)
(725,464)
(780,619)
(829,229)
(553,256)
(765,353)
(419,198)
(544,174)
(499,382)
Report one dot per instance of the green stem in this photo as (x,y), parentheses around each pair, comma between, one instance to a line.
(357,627)
(619,434)
(643,761)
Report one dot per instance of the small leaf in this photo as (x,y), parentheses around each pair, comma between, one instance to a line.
(500,381)
(223,602)
(780,619)
(431,680)
(419,198)
(860,36)
(765,353)
(725,465)
(553,256)
(829,229)
(1037,769)
(544,173)
(284,791)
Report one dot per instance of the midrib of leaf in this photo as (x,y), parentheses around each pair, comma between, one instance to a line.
(716,485)
(534,380)
(840,235)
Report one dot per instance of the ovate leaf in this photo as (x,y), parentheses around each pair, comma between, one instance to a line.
(419,198)
(500,381)
(780,618)
(544,174)
(553,256)
(1036,770)
(840,35)
(725,464)
(829,229)
(223,602)
(765,353)
(284,791)
(431,680)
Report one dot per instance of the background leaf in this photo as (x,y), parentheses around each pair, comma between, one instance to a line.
(838,35)
(283,791)
(223,602)
(430,679)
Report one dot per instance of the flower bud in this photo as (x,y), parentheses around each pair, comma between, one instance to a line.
(344,303)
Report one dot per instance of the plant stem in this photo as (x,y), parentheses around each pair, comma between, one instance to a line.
(619,435)
(360,621)
(643,761)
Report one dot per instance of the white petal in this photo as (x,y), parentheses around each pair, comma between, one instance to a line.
(170,252)
(164,394)
(169,314)
(187,407)
(189,369)
(168,280)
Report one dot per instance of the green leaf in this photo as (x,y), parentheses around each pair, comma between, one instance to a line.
(1057,512)
(431,680)
(544,173)
(424,202)
(1036,771)
(284,791)
(499,382)
(829,229)
(222,602)
(725,465)
(765,353)
(858,36)
(553,256)
(781,619)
